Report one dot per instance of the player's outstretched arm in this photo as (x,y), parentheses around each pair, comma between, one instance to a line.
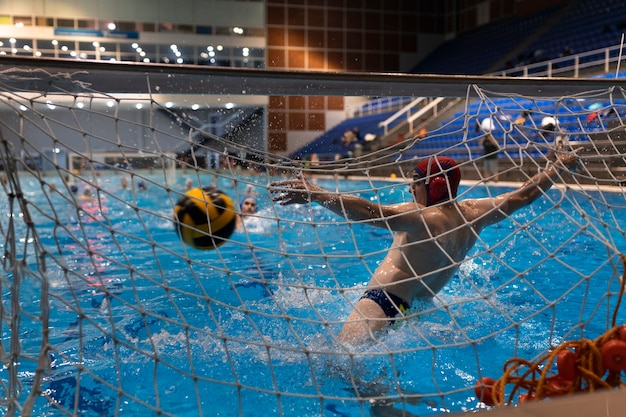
(506,204)
(300,191)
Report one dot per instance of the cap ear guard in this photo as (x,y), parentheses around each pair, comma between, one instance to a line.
(441,177)
(437,190)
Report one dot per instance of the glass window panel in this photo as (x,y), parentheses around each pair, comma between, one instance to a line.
(127,26)
(86,24)
(23,20)
(44,21)
(45,48)
(204,30)
(65,23)
(184,28)
(146,27)
(166,27)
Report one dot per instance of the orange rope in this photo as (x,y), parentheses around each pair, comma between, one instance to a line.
(539,382)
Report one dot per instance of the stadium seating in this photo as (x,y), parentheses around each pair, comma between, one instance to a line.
(329,145)
(579,26)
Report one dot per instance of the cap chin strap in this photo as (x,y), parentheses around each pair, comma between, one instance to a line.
(427,181)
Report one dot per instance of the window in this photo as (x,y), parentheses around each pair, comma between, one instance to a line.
(65,23)
(22,20)
(86,24)
(146,27)
(44,21)
(183,28)
(127,26)
(204,30)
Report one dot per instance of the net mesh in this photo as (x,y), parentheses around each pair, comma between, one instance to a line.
(107,311)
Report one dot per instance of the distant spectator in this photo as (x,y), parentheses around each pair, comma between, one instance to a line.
(369,142)
(549,123)
(348,136)
(539,55)
(561,140)
(487,125)
(591,117)
(609,112)
(491,147)
(522,118)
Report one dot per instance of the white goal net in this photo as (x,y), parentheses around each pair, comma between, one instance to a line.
(108,308)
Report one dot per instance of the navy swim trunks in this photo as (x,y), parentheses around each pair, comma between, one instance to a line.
(391,304)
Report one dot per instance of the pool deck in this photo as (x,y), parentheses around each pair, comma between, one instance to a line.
(596,404)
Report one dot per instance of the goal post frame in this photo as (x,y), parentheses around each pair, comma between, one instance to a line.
(125,77)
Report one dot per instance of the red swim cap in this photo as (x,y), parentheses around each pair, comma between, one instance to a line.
(442,178)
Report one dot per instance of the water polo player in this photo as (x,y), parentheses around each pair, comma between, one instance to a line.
(247,206)
(432,234)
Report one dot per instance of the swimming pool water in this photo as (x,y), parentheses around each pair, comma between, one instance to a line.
(248,329)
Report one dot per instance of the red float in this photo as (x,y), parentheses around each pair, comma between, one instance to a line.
(557,385)
(484,390)
(566,364)
(614,355)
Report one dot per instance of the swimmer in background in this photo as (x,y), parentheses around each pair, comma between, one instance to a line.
(248,205)
(432,234)
(87,195)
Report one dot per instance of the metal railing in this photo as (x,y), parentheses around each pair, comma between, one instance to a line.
(575,66)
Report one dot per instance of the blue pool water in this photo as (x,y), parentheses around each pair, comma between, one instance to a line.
(248,329)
